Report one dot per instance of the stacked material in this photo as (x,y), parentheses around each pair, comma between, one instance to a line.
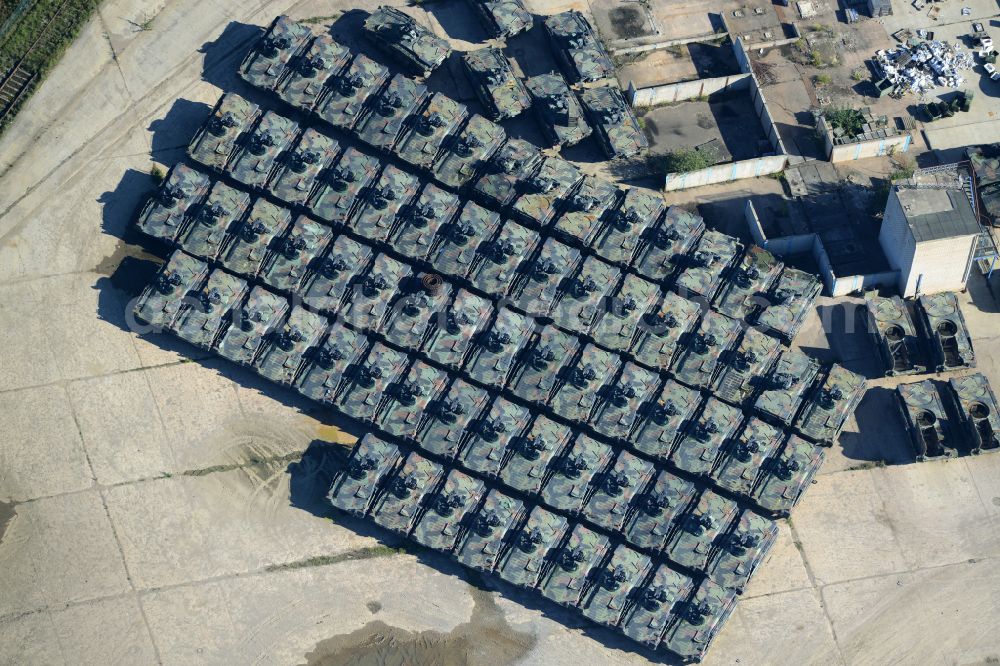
(924,66)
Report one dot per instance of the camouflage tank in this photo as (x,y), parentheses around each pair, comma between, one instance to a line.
(580,222)
(336,197)
(296,175)
(620,320)
(571,480)
(986,167)
(785,387)
(665,245)
(404,401)
(538,281)
(579,386)
(747,283)
(482,543)
(528,457)
(741,551)
(787,476)
(609,504)
(355,485)
(260,314)
(452,338)
(698,361)
(366,382)
(581,298)
(421,300)
(662,330)
(702,272)
(295,254)
(161,302)
(557,110)
(831,405)
(741,369)
(411,44)
(468,151)
(200,323)
(165,214)
(744,456)
(504,171)
(614,586)
(430,130)
(646,620)
(621,229)
(495,83)
(494,267)
(978,411)
(555,181)
(661,421)
(343,101)
(698,620)
(244,252)
(393,107)
(529,556)
(286,350)
(894,335)
(447,418)
(618,130)
(945,327)
(927,422)
(570,576)
(213,220)
(267,63)
(577,47)
(306,80)
(454,248)
(657,510)
(787,304)
(503,18)
(401,505)
(699,529)
(706,438)
(448,509)
(496,348)
(254,161)
(488,437)
(418,223)
(382,202)
(324,372)
(371,293)
(618,404)
(215,142)
(326,285)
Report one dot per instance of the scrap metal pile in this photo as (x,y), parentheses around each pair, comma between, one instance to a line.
(924,66)
(557,372)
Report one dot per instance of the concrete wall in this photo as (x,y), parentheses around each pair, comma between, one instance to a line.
(859,150)
(940,265)
(666,44)
(678,92)
(759,103)
(724,173)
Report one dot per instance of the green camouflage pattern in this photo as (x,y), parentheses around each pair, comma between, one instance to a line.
(528,457)
(442,524)
(248,332)
(326,286)
(570,575)
(646,620)
(495,83)
(404,401)
(383,201)
(570,481)
(618,405)
(481,545)
(503,18)
(200,323)
(543,192)
(743,367)
(244,252)
(418,223)
(581,384)
(306,79)
(577,47)
(785,387)
(325,370)
(410,43)
(747,283)
(161,302)
(944,326)
(978,411)
(665,245)
(529,555)
(698,621)
(787,305)
(614,584)
(267,62)
(505,170)
(661,421)
(620,320)
(707,437)
(212,220)
(618,131)
(440,118)
(165,214)
(466,152)
(256,158)
(787,476)
(489,436)
(657,510)
(453,336)
(582,297)
(343,100)
(608,507)
(742,550)
(285,351)
(581,221)
(446,419)
(494,267)
(622,228)
(539,279)
(392,107)
(831,405)
(557,109)
(418,305)
(295,254)
(927,422)
(454,248)
(401,505)
(354,486)
(706,267)
(296,175)
(744,456)
(366,382)
(336,197)
(497,348)
(661,331)
(699,528)
(371,294)
(698,361)
(215,142)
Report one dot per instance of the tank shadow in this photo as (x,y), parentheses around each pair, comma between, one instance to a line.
(223,56)
(878,437)
(173,132)
(458,20)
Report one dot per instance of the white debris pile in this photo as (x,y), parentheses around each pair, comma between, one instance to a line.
(925,66)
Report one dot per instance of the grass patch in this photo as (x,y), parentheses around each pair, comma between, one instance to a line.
(312,20)
(685,161)
(156,173)
(324,560)
(822,79)
(205,471)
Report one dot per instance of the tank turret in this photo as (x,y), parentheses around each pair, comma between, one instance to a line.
(699,359)
(165,215)
(785,387)
(213,220)
(573,476)
(161,302)
(569,577)
(529,456)
(365,382)
(306,78)
(298,172)
(744,366)
(620,321)
(405,400)
(747,283)
(497,347)
(383,201)
(489,531)
(489,436)
(444,521)
(528,557)
(454,248)
(661,421)
(342,103)
(577,47)
(466,153)
(389,112)
(664,246)
(430,129)
(327,283)
(401,505)
(285,351)
(252,323)
(787,303)
(254,162)
(216,141)
(295,254)
(617,129)
(703,270)
(201,322)
(495,83)
(614,586)
(626,479)
(704,442)
(448,417)
(830,405)
(358,482)
(657,510)
(618,405)
(622,227)
(581,297)
(324,373)
(337,196)
(267,63)
(502,175)
(452,337)
(541,194)
(409,43)
(373,291)
(786,476)
(557,109)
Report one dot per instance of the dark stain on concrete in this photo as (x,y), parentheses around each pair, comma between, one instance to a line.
(7,512)
(373,607)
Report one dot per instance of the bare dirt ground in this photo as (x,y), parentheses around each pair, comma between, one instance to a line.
(160,507)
